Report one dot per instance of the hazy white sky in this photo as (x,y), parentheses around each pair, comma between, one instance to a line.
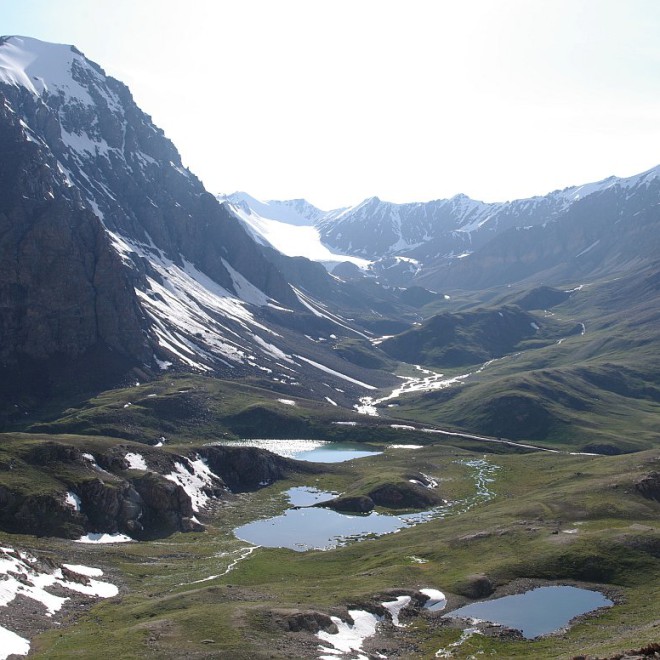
(409,100)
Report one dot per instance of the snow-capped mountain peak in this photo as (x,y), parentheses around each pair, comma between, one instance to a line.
(298,212)
(43,68)
(124,256)
(443,230)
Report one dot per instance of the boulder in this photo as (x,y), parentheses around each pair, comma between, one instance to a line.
(475,586)
(649,486)
(307,621)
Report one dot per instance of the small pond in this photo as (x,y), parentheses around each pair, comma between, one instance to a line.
(304,529)
(318,451)
(536,612)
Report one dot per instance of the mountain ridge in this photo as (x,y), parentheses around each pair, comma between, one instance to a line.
(417,242)
(199,292)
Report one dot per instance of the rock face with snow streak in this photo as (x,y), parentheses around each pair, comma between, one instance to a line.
(104,494)
(114,259)
(108,245)
(134,490)
(63,292)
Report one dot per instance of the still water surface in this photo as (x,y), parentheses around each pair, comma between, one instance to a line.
(304,529)
(318,451)
(536,612)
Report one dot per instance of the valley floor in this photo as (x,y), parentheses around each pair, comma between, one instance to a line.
(544,519)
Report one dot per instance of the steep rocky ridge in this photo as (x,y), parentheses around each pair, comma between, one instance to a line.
(63,292)
(75,486)
(463,243)
(114,253)
(610,231)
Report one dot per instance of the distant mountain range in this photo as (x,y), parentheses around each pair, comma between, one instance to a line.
(116,265)
(463,243)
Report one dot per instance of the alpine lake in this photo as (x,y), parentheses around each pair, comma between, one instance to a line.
(307,526)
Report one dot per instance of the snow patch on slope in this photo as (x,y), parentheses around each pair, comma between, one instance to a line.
(286,233)
(185,304)
(73,501)
(194,479)
(12,644)
(42,67)
(395,606)
(336,373)
(23,576)
(136,461)
(103,538)
(350,637)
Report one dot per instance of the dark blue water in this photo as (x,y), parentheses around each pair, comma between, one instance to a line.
(536,612)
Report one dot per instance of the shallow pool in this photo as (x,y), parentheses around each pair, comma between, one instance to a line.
(304,529)
(536,612)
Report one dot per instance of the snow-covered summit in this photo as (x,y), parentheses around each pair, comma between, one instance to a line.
(44,68)
(111,225)
(389,234)
(580,192)
(297,212)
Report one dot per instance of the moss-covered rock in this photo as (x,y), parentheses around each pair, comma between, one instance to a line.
(351,504)
(404,495)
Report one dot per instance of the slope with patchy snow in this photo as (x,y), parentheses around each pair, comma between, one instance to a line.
(28,577)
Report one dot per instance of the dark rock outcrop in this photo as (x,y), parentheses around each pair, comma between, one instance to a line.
(248,468)
(166,506)
(63,292)
(404,495)
(110,506)
(475,586)
(350,504)
(307,621)
(38,514)
(649,486)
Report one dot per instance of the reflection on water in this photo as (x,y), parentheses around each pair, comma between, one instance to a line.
(317,451)
(536,612)
(306,496)
(336,452)
(304,529)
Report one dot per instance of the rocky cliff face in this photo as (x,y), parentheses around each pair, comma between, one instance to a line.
(123,166)
(63,292)
(53,488)
(115,257)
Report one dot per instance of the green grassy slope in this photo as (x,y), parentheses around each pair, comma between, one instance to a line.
(558,518)
(597,389)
